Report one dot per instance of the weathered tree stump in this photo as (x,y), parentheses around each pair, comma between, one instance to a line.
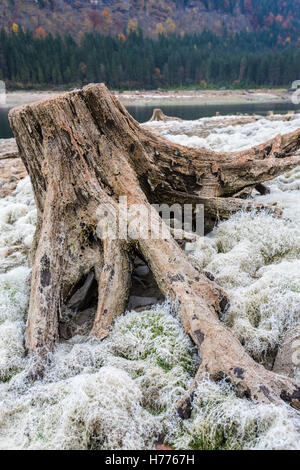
(82,149)
(158,115)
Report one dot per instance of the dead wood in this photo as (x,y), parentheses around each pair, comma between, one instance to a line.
(158,115)
(82,150)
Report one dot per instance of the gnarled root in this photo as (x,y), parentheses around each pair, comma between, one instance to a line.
(114,280)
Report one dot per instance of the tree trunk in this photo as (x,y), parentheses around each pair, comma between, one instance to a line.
(83,151)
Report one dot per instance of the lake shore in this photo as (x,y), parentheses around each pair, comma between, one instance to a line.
(165,98)
(203,97)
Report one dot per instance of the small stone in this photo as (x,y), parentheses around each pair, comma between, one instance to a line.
(138,262)
(135,302)
(141,271)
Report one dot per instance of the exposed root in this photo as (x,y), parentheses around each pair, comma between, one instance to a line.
(114,279)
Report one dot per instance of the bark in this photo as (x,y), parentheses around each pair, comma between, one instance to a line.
(114,285)
(82,149)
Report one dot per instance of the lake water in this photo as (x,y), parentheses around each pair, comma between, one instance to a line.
(187,112)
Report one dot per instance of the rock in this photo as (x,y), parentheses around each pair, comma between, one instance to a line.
(82,296)
(141,271)
(287,361)
(137,302)
(143,286)
(138,262)
(80,324)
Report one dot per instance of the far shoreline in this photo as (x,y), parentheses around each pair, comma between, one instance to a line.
(157,98)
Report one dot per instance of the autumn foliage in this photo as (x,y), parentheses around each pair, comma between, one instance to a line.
(95,18)
(40,33)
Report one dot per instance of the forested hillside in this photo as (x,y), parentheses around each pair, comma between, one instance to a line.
(136,61)
(279,17)
(149,43)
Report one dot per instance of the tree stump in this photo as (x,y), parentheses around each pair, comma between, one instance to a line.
(83,150)
(158,115)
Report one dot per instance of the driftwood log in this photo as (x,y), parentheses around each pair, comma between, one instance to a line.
(82,149)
